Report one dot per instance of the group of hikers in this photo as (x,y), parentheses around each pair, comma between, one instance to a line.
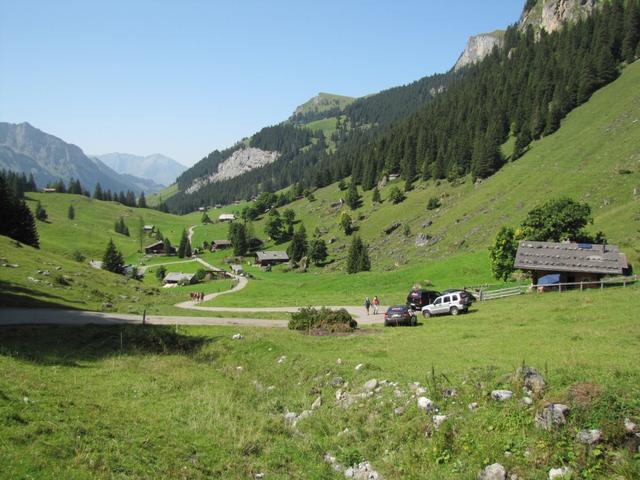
(197,296)
(375,304)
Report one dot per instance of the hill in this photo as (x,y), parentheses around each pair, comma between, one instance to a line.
(24,148)
(157,168)
(323,105)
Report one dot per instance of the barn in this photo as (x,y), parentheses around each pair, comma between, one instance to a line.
(271,258)
(157,248)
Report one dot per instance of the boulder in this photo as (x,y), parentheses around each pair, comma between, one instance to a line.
(425,404)
(552,416)
(527,401)
(493,472)
(629,426)
(317,403)
(371,385)
(290,418)
(560,473)
(359,366)
(589,437)
(501,395)
(398,410)
(282,359)
(337,382)
(237,336)
(427,224)
(422,239)
(533,381)
(438,420)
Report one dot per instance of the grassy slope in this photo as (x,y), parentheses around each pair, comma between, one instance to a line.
(152,408)
(163,195)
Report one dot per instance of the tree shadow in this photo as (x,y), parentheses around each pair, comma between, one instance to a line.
(14,295)
(53,345)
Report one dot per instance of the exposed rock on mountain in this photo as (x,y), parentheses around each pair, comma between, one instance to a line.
(550,14)
(240,161)
(478,47)
(24,148)
(159,168)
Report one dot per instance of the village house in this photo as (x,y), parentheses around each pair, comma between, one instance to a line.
(271,258)
(227,217)
(220,245)
(567,262)
(49,190)
(175,278)
(157,248)
(149,228)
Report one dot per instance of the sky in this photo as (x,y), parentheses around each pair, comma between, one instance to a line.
(187,77)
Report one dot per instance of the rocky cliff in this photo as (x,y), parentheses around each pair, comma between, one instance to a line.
(478,47)
(240,161)
(550,14)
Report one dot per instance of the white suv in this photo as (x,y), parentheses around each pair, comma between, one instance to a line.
(451,303)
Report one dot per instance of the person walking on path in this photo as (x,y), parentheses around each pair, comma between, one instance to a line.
(376,305)
(367,304)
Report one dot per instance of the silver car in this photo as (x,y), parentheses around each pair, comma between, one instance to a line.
(451,303)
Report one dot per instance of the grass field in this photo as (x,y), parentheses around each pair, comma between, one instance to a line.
(130,402)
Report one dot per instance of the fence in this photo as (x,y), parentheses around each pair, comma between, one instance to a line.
(556,287)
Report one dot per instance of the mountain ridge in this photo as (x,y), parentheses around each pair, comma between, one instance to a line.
(157,167)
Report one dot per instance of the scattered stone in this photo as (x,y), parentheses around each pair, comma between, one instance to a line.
(501,395)
(589,437)
(420,391)
(630,426)
(33,280)
(425,404)
(290,418)
(553,415)
(331,460)
(337,382)
(438,420)
(397,393)
(527,401)
(359,366)
(316,404)
(559,473)
(339,361)
(427,224)
(493,472)
(258,476)
(472,406)
(451,393)
(414,386)
(422,239)
(239,368)
(237,336)
(10,265)
(270,388)
(343,432)
(302,416)
(398,410)
(391,228)
(362,471)
(371,385)
(282,359)
(107,305)
(534,383)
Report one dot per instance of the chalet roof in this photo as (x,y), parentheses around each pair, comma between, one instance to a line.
(271,256)
(176,277)
(159,243)
(221,242)
(227,216)
(148,227)
(570,257)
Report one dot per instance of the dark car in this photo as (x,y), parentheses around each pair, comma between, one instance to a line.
(399,315)
(466,297)
(421,298)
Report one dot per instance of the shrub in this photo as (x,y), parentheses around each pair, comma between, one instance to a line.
(323,319)
(161,272)
(396,195)
(59,279)
(201,274)
(434,202)
(78,256)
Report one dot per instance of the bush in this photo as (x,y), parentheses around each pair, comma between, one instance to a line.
(433,203)
(78,256)
(161,272)
(324,319)
(396,196)
(201,274)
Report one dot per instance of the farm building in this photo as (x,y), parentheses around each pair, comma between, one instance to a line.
(49,190)
(271,258)
(175,278)
(227,217)
(149,228)
(220,244)
(570,262)
(157,248)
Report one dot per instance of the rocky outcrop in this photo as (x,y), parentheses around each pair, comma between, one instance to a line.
(241,161)
(478,47)
(551,14)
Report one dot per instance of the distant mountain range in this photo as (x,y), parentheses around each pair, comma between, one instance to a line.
(159,168)
(24,148)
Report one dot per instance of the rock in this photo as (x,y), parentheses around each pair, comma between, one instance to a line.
(239,368)
(237,336)
(282,359)
(362,471)
(427,224)
(397,393)
(629,426)
(337,382)
(559,473)
(472,406)
(501,395)
(398,410)
(270,388)
(371,385)
(533,381)
(316,404)
(552,416)
(359,366)
(302,416)
(258,476)
(425,404)
(107,305)
(10,265)
(527,401)
(420,391)
(391,228)
(493,472)
(421,240)
(438,420)
(589,437)
(339,395)
(339,361)
(478,47)
(451,393)
(290,418)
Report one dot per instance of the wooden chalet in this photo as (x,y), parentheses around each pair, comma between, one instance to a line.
(157,248)
(271,258)
(570,262)
(220,245)
(175,278)
(226,217)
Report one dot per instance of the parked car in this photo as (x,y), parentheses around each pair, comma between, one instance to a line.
(399,315)
(417,299)
(451,303)
(466,296)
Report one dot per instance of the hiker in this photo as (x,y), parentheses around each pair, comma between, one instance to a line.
(367,304)
(376,305)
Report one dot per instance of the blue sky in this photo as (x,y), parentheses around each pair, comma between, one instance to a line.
(186,77)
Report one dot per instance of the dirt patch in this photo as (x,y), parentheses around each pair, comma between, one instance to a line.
(584,394)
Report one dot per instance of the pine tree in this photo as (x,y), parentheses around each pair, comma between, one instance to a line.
(346,223)
(522,142)
(205,219)
(238,237)
(631,40)
(97,193)
(375,197)
(184,243)
(113,260)
(41,213)
(353,197)
(358,256)
(16,220)
(318,251)
(71,213)
(298,247)
(586,84)
(142,201)
(168,248)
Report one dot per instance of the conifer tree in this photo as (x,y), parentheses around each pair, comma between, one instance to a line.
(113,260)
(358,256)
(71,213)
(238,237)
(41,213)
(353,197)
(631,40)
(298,247)
(97,193)
(184,244)
(142,201)
(318,251)
(346,223)
(375,197)
(205,219)
(168,248)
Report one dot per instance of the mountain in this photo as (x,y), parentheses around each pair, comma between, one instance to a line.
(323,105)
(478,47)
(549,15)
(24,148)
(158,168)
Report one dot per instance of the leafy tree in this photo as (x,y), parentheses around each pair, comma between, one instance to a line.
(353,197)
(318,252)
(396,195)
(238,237)
(184,249)
(557,220)
(346,223)
(113,260)
(298,247)
(503,253)
(142,201)
(273,225)
(433,203)
(41,213)
(358,256)
(71,213)
(375,197)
